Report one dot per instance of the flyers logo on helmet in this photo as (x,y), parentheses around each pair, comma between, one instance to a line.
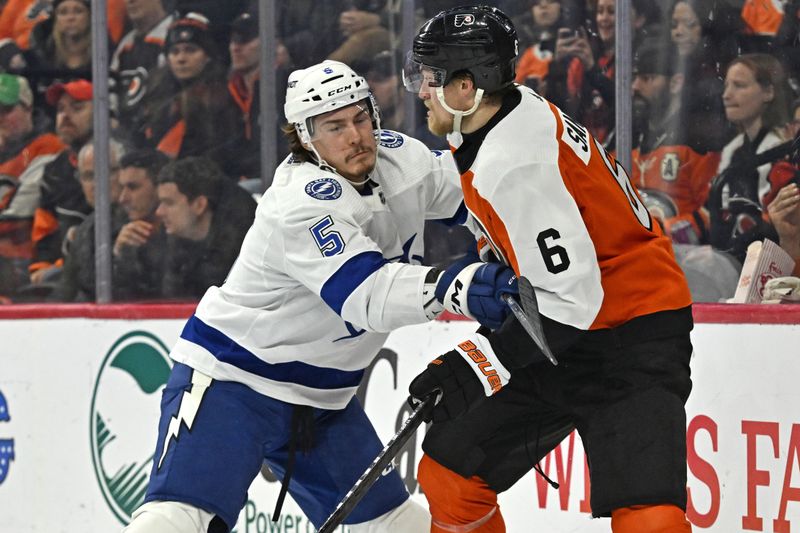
(464,19)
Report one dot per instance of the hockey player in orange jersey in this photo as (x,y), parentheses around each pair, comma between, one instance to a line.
(614,305)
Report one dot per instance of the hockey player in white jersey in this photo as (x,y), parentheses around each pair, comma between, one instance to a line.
(267,367)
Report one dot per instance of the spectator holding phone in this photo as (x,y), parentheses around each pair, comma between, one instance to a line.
(581,75)
(537,29)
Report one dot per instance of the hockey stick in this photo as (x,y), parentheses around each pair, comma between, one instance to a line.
(373,472)
(529,322)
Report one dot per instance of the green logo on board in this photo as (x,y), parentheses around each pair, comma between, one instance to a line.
(124,412)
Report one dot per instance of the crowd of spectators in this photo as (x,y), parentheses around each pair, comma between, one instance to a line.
(715,99)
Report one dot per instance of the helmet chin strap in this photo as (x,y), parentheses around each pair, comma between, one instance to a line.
(458,115)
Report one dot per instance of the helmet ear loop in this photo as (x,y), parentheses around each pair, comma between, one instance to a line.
(458,115)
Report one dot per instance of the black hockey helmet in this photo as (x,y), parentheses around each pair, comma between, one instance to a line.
(480,40)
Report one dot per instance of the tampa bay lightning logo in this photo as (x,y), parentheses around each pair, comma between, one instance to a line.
(391,139)
(324,189)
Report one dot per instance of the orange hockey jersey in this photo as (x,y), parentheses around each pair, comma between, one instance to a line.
(762,17)
(561,211)
(684,175)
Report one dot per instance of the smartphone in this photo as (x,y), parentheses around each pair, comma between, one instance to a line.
(568,33)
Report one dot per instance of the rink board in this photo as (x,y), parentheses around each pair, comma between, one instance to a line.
(79,403)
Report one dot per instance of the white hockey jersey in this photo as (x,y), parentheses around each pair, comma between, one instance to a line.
(323,275)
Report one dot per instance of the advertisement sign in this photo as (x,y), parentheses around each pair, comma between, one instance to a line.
(79,404)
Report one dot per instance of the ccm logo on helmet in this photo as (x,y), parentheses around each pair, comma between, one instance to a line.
(339,90)
(483,364)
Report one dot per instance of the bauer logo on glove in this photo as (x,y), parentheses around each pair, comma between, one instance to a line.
(453,375)
(490,376)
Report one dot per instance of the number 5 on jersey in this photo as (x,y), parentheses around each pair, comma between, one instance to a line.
(328,241)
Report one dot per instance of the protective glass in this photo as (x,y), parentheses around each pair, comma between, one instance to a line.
(417,75)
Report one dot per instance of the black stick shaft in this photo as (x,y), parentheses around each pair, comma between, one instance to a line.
(374,470)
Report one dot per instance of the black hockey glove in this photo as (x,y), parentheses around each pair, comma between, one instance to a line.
(462,377)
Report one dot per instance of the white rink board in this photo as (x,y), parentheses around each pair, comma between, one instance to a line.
(55,374)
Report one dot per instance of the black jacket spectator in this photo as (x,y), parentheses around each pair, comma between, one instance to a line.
(185,115)
(205,216)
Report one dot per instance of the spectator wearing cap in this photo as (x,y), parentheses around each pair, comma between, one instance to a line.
(205,217)
(62,204)
(139,52)
(188,109)
(219,14)
(28,146)
(242,154)
(670,165)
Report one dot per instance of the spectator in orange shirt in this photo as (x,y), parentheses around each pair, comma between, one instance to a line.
(19,17)
(27,145)
(762,17)
(581,78)
(62,203)
(671,166)
(537,28)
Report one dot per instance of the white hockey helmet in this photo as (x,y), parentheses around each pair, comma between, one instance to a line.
(322,88)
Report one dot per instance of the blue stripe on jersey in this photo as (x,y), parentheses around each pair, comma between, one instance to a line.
(228,351)
(459,218)
(349,276)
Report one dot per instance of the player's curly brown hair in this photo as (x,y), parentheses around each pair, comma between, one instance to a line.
(295,145)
